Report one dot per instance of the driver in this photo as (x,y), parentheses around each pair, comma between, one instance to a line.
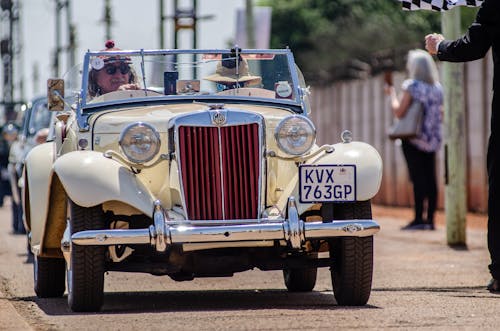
(111,73)
(230,75)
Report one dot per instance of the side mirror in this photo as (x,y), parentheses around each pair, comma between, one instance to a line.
(55,94)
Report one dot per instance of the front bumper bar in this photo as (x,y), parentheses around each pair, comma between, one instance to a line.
(161,235)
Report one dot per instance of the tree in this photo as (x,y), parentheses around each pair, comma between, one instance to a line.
(338,39)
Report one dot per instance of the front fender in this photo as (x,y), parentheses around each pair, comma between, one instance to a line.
(90,179)
(38,173)
(368,171)
(367,161)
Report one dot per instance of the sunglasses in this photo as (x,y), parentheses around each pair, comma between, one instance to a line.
(111,70)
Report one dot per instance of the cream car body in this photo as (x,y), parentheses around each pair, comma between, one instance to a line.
(193,172)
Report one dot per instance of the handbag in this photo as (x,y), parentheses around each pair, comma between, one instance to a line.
(410,125)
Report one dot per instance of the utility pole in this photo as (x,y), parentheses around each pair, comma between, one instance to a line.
(108,20)
(9,46)
(184,19)
(57,64)
(70,30)
(455,144)
(161,33)
(71,36)
(36,77)
(250,24)
(187,19)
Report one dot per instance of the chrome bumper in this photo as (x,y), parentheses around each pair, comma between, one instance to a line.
(162,234)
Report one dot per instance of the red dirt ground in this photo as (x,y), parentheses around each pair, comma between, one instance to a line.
(473,220)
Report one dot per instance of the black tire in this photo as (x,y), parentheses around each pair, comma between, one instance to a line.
(352,257)
(300,280)
(17,218)
(48,277)
(29,254)
(85,274)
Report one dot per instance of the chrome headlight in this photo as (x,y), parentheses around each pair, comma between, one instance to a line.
(295,135)
(140,142)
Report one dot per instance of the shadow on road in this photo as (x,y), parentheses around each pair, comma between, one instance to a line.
(186,301)
(432,289)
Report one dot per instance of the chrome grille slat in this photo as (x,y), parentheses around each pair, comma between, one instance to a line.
(220,171)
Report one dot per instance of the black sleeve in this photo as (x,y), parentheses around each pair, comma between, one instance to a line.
(477,40)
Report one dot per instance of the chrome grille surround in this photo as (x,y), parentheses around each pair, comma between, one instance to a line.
(210,140)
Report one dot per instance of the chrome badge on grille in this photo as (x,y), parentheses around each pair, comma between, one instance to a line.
(218,118)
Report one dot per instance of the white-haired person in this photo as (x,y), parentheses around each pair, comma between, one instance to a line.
(420,152)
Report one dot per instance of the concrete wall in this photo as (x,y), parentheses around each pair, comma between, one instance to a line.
(362,107)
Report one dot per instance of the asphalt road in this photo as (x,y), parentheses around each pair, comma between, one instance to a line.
(419,283)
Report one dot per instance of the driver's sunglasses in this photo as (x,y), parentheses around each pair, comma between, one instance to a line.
(111,69)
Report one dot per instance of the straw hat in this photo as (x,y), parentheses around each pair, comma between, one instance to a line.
(226,71)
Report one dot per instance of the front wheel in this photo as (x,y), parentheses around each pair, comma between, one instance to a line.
(48,277)
(351,257)
(85,273)
(300,280)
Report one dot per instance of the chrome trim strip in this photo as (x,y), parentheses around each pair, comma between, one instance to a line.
(221,174)
(112,237)
(161,235)
(199,247)
(294,228)
(66,244)
(225,222)
(231,233)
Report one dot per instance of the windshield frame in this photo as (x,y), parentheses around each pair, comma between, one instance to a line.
(84,108)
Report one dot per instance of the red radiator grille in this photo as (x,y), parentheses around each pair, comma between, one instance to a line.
(220,175)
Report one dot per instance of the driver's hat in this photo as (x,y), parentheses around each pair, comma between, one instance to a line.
(98,62)
(228,71)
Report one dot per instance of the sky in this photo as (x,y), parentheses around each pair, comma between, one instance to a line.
(136,26)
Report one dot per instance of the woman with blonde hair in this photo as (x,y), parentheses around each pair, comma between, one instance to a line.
(420,152)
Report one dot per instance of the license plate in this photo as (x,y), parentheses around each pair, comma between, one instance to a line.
(327,183)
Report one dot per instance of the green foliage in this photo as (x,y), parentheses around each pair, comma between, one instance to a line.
(334,39)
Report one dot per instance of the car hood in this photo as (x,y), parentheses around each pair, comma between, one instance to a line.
(113,121)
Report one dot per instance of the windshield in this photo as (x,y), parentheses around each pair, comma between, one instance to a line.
(40,117)
(115,76)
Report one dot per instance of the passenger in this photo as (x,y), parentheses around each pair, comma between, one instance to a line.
(111,73)
(231,74)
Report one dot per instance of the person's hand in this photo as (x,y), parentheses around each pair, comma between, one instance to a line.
(126,87)
(432,41)
(389,90)
(41,135)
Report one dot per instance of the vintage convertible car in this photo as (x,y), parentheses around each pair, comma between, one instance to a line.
(204,164)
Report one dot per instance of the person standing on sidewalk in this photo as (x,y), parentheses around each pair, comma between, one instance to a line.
(420,152)
(482,34)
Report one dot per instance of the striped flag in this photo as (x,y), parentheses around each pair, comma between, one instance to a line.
(438,5)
